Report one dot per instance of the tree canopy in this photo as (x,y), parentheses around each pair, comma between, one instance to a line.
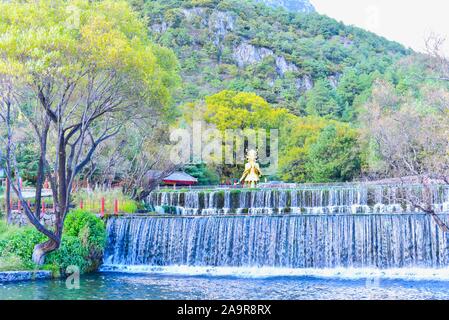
(82,72)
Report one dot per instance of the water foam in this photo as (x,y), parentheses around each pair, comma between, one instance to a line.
(409,274)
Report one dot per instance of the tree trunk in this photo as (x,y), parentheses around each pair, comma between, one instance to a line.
(62,178)
(8,164)
(41,170)
(8,201)
(42,249)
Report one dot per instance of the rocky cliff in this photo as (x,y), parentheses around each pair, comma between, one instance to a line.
(290,5)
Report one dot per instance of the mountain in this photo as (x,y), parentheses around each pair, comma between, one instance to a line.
(290,5)
(306,62)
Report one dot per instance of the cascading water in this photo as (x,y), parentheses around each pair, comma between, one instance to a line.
(324,200)
(337,228)
(349,241)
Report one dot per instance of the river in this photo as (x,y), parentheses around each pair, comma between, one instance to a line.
(127,286)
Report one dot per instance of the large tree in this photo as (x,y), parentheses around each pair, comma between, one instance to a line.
(88,70)
(408,139)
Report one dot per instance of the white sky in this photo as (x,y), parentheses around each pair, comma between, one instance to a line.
(405,21)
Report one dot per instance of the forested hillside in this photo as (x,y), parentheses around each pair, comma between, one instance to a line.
(290,5)
(305,62)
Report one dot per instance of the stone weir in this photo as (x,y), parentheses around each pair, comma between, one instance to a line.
(382,241)
(330,199)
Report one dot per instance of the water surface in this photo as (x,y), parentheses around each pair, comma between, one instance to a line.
(127,286)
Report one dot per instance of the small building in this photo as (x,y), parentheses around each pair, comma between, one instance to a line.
(177,178)
(180,178)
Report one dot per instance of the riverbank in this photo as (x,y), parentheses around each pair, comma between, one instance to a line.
(81,248)
(16,276)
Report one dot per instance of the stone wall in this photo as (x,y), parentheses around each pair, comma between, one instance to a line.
(20,219)
(14,276)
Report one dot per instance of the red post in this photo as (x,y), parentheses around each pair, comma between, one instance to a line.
(19,205)
(102,207)
(43,210)
(115,206)
(81,204)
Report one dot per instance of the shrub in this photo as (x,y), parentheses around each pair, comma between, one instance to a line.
(87,227)
(20,242)
(71,253)
(82,243)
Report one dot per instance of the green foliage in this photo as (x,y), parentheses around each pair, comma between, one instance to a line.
(17,244)
(92,201)
(72,252)
(27,156)
(89,39)
(321,48)
(22,243)
(322,101)
(7,230)
(82,244)
(242,110)
(334,156)
(205,175)
(404,120)
(85,226)
(318,150)
(311,149)
(11,262)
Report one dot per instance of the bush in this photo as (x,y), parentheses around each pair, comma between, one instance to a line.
(71,253)
(17,244)
(87,227)
(82,244)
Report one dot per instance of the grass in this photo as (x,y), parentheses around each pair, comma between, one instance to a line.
(7,230)
(11,263)
(92,201)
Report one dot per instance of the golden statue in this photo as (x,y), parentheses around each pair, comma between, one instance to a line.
(252,170)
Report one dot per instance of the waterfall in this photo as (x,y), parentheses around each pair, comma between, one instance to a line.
(289,241)
(355,199)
